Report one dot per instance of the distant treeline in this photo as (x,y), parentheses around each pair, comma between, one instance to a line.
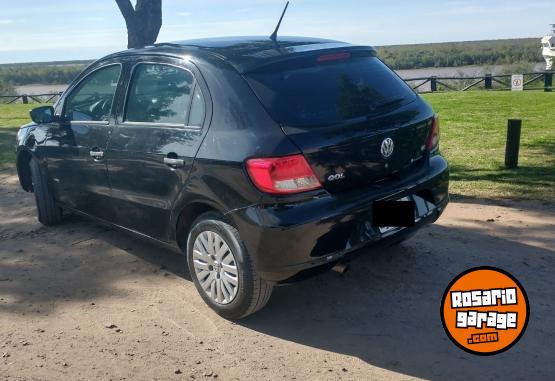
(6,88)
(25,74)
(452,54)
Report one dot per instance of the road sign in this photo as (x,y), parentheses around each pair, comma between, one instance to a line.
(517,82)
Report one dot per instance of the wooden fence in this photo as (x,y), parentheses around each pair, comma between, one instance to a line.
(26,98)
(532,81)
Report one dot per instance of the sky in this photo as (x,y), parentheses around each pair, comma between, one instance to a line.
(38,30)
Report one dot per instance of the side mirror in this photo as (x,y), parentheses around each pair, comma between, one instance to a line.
(43,114)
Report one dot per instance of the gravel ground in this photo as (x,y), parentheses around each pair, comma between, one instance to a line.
(81,301)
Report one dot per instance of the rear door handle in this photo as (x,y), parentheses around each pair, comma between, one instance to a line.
(96,155)
(174,163)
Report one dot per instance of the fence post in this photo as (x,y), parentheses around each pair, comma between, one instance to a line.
(513,143)
(24,99)
(488,82)
(433,83)
(548,82)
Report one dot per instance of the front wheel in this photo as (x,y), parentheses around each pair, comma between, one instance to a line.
(222,270)
(49,213)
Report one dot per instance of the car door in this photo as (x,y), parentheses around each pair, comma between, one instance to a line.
(77,160)
(159,130)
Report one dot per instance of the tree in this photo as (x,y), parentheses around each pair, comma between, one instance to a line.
(143,22)
(6,88)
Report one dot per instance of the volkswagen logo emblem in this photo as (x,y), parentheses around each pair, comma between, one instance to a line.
(387,148)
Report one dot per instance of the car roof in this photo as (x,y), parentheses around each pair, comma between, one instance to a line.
(249,52)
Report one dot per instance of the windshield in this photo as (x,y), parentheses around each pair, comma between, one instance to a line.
(324,93)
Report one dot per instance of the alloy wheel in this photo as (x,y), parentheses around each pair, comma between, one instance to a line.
(215,267)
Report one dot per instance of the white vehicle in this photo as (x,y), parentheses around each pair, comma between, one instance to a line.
(548,45)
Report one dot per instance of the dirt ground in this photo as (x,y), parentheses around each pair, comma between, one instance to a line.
(80,301)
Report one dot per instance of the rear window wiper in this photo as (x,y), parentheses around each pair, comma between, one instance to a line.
(389,102)
(383,106)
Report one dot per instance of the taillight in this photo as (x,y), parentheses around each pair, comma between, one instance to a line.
(433,138)
(334,57)
(282,175)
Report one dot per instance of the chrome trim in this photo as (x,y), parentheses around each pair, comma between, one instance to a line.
(159,125)
(173,162)
(97,155)
(387,148)
(95,122)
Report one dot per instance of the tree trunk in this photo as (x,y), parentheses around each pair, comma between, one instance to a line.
(143,22)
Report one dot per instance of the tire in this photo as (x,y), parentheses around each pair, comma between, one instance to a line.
(251,292)
(49,213)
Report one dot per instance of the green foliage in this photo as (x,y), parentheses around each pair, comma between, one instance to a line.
(6,88)
(473,136)
(52,74)
(497,52)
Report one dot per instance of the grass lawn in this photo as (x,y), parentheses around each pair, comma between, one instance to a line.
(473,133)
(11,117)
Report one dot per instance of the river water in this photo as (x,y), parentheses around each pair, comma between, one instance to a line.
(467,71)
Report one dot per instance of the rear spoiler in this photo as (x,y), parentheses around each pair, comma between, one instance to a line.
(279,55)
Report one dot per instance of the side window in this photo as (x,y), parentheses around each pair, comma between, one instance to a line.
(159,94)
(198,109)
(91,100)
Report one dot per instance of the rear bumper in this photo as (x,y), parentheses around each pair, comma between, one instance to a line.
(287,239)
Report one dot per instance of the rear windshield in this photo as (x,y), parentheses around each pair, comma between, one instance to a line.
(323,93)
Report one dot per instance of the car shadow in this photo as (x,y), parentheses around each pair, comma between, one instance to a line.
(43,267)
(386,309)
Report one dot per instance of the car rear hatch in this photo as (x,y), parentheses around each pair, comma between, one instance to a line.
(355,120)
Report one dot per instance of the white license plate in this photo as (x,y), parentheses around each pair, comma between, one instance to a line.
(387,229)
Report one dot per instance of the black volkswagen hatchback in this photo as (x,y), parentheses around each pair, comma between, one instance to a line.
(263,161)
